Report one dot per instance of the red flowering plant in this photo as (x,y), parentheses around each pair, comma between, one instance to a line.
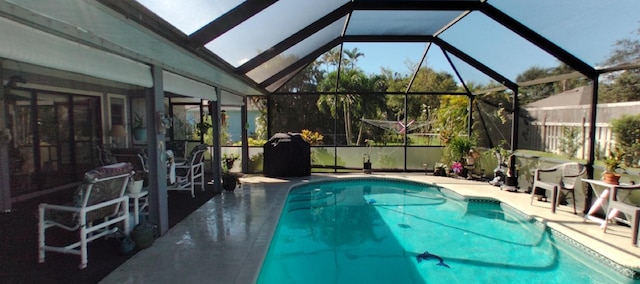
(456,167)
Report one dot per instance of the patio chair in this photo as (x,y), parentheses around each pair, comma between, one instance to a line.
(187,158)
(100,203)
(631,211)
(188,173)
(137,158)
(104,156)
(179,149)
(569,174)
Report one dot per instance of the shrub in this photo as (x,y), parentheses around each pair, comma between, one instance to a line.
(570,141)
(457,149)
(627,134)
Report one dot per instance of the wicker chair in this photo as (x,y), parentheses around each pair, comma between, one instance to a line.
(569,174)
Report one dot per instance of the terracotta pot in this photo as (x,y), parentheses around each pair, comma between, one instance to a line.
(611,178)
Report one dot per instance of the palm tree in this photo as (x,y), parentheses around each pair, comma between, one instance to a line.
(352,57)
(353,83)
(331,57)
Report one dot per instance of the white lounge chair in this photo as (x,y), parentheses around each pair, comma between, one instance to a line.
(99,205)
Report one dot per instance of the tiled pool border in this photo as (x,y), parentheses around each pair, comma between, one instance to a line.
(626,271)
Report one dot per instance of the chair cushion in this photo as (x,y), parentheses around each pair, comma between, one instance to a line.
(107,171)
(102,191)
(196,149)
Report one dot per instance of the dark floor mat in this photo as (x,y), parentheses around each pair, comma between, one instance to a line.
(19,243)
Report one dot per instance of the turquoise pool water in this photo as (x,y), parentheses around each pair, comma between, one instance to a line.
(372,231)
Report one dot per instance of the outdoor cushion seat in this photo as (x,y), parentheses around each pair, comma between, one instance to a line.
(99,205)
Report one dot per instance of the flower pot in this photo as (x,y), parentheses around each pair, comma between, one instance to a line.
(229,182)
(143,235)
(140,135)
(611,178)
(366,167)
(135,186)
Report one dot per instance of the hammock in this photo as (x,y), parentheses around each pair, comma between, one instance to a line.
(396,126)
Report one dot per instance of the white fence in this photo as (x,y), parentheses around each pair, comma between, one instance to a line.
(545,132)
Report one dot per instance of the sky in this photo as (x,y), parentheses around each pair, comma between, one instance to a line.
(500,49)
(586,28)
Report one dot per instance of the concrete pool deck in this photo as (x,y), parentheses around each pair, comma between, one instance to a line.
(225,240)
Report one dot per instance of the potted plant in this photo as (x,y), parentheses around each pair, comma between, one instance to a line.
(439,169)
(456,151)
(136,182)
(612,162)
(139,131)
(366,158)
(202,127)
(457,168)
(229,179)
(459,148)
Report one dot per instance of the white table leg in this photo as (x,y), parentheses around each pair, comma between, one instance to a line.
(136,212)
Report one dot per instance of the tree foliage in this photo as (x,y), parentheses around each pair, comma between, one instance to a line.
(537,92)
(570,142)
(622,86)
(627,134)
(452,117)
(358,95)
(426,80)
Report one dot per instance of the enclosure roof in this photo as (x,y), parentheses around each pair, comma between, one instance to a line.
(254,46)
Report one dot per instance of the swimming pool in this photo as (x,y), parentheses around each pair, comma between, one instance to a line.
(378,230)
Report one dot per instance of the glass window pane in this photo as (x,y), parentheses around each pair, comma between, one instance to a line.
(495,46)
(308,79)
(296,52)
(399,22)
(470,75)
(276,85)
(87,127)
(21,159)
(436,74)
(588,29)
(190,15)
(376,57)
(185,120)
(231,128)
(268,28)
